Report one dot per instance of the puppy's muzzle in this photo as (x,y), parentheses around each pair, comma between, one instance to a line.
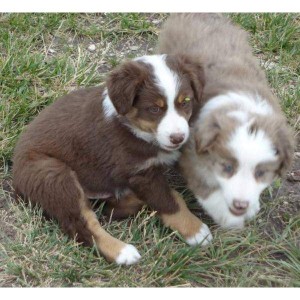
(177,138)
(239,207)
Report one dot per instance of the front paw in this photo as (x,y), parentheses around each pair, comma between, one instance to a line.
(203,236)
(128,256)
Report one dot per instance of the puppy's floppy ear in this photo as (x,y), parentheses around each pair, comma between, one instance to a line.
(195,73)
(123,84)
(284,144)
(212,129)
(206,133)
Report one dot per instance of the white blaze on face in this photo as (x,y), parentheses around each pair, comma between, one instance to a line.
(249,149)
(172,122)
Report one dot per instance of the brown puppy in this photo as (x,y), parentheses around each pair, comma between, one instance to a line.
(113,142)
(241,140)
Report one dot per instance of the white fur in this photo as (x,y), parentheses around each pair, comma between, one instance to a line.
(168,83)
(203,237)
(166,80)
(108,107)
(172,123)
(128,256)
(168,158)
(249,149)
(243,102)
(217,208)
(241,116)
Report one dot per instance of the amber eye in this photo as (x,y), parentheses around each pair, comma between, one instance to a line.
(259,173)
(154,109)
(228,168)
(185,102)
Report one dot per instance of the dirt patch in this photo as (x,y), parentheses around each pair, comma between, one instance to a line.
(287,198)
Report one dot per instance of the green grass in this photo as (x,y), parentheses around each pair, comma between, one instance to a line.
(43,56)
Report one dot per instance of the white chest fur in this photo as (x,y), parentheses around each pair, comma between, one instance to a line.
(162,158)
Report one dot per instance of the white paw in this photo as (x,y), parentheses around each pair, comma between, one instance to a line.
(203,237)
(128,256)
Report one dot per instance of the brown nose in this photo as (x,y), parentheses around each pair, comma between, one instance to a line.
(176,138)
(240,205)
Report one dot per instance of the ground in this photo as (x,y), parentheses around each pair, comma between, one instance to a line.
(43,56)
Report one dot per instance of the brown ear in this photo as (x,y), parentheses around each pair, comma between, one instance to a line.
(123,84)
(284,144)
(211,128)
(195,72)
(206,133)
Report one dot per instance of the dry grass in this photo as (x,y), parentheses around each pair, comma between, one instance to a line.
(52,59)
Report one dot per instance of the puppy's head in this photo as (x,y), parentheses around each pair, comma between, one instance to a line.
(155,95)
(245,152)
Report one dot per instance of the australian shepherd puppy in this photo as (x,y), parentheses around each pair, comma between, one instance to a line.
(113,142)
(241,140)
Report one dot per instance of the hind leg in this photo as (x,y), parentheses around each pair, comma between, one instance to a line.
(51,184)
(112,248)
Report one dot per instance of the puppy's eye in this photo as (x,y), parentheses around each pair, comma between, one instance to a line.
(259,173)
(228,168)
(185,102)
(154,109)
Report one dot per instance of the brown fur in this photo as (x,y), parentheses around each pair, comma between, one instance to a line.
(282,138)
(183,221)
(71,151)
(120,209)
(214,131)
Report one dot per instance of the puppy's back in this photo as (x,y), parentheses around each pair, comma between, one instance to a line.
(206,36)
(55,129)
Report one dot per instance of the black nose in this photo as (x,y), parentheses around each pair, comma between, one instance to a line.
(240,205)
(176,138)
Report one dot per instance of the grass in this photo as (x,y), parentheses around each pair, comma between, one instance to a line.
(43,56)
